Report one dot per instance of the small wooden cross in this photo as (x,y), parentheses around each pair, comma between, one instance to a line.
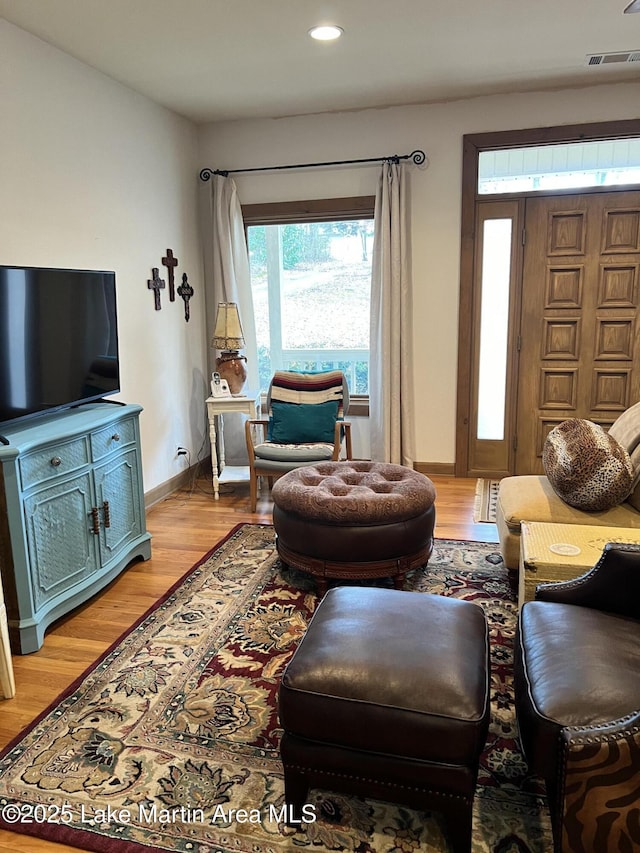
(156,284)
(170,262)
(186,292)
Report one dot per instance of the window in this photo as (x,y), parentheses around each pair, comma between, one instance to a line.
(570,165)
(310,266)
(494,327)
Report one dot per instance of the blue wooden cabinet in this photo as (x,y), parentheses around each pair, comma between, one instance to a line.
(71,512)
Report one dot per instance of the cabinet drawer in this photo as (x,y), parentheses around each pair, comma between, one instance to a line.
(105,441)
(55,460)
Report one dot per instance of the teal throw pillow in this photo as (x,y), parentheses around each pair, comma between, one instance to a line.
(298,423)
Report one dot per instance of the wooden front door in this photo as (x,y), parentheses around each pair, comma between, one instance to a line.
(579,335)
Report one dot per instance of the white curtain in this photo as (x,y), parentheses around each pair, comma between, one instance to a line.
(231,281)
(228,280)
(391,408)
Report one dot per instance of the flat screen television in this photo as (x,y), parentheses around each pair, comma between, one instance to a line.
(58,339)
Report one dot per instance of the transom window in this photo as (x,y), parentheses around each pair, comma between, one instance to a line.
(572,165)
(310,266)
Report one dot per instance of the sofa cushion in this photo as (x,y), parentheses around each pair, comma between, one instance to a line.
(531,497)
(626,431)
(634,497)
(586,466)
(602,647)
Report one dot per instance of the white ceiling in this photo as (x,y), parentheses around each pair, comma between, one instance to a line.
(228,59)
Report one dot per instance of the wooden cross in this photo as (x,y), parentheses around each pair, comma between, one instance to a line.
(156,284)
(186,292)
(170,262)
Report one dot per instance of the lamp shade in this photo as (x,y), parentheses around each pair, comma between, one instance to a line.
(227,334)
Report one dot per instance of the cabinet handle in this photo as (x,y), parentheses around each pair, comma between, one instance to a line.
(95,521)
(56,461)
(107,514)
(115,436)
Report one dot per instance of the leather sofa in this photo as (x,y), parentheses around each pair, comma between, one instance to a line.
(577,682)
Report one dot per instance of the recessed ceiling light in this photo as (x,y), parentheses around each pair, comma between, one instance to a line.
(326,32)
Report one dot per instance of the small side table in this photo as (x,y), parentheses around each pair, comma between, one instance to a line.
(247,404)
(560,552)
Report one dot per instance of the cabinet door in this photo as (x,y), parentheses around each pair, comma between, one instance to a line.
(119,504)
(62,549)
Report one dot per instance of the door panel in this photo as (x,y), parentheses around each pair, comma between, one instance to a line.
(117,496)
(579,343)
(61,550)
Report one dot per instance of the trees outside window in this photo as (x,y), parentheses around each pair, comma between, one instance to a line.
(311,287)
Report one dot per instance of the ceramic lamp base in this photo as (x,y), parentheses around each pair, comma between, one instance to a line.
(232,367)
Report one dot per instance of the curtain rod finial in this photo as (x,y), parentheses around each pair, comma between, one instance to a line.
(205,174)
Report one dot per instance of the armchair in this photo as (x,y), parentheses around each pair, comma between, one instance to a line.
(577,681)
(304,425)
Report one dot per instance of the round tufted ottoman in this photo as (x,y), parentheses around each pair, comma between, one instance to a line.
(354,520)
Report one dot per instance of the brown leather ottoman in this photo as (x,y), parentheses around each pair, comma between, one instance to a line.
(354,520)
(387,696)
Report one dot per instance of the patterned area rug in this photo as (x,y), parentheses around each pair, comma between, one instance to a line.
(170,742)
(484,507)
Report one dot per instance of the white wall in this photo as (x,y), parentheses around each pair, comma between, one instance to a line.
(95,176)
(435,207)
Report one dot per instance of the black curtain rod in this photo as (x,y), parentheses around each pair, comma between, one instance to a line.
(417,156)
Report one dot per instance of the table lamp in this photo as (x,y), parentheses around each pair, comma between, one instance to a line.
(228,338)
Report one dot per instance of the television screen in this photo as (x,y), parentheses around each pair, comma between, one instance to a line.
(58,339)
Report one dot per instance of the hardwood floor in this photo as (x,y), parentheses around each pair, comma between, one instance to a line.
(184,527)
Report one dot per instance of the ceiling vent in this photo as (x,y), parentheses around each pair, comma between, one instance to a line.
(613,58)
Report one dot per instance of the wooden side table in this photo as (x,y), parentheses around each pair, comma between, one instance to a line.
(560,552)
(247,404)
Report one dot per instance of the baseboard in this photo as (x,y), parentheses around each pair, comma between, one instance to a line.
(184,478)
(443,468)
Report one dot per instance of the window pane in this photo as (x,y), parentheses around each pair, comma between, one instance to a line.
(311,286)
(494,327)
(256,241)
(562,166)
